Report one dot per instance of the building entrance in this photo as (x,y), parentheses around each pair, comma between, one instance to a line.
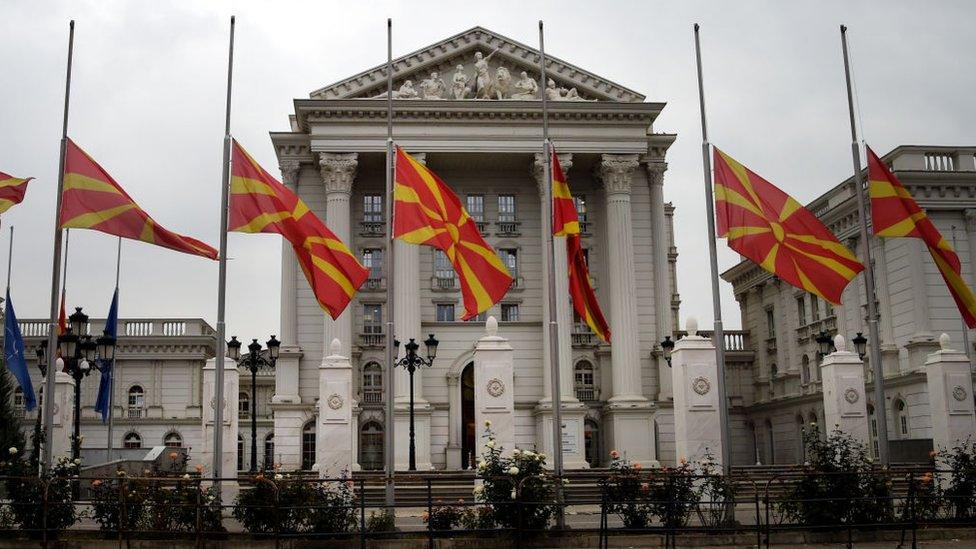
(468,428)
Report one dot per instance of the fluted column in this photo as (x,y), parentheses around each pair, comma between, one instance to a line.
(970,216)
(406,319)
(660,243)
(617,171)
(564,314)
(338,171)
(289,267)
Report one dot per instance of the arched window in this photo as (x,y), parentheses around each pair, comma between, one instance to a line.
(240,453)
(269,451)
(243,405)
(805,370)
(901,418)
(371,446)
(20,408)
(591,435)
(173,440)
(773,370)
(770,443)
(801,449)
(137,401)
(372,383)
(583,377)
(132,440)
(308,446)
(874,431)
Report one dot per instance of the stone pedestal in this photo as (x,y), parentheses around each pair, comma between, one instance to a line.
(845,402)
(950,384)
(574,443)
(421,419)
(494,389)
(289,414)
(229,429)
(336,444)
(919,351)
(64,413)
(694,381)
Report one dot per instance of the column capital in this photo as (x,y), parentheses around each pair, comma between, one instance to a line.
(655,171)
(289,172)
(538,166)
(338,171)
(616,171)
(970,215)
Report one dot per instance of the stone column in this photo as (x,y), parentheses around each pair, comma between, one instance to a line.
(845,401)
(494,388)
(338,172)
(631,428)
(949,382)
(970,216)
(64,413)
(231,425)
(660,246)
(336,442)
(694,378)
(455,460)
(290,170)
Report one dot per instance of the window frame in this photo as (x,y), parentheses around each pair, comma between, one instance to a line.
(504,215)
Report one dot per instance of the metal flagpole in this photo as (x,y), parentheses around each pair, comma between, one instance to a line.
(52,332)
(10,257)
(874,343)
(557,418)
(965,327)
(114,365)
(388,381)
(222,274)
(64,270)
(719,335)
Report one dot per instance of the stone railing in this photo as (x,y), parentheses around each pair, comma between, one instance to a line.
(443,282)
(132,327)
(372,396)
(735,340)
(508,228)
(374,284)
(372,340)
(372,228)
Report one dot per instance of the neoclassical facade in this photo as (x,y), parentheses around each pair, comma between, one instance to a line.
(469,107)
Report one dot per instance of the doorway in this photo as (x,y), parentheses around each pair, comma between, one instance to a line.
(469,435)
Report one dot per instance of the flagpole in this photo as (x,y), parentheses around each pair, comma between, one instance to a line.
(965,327)
(557,401)
(111,372)
(389,439)
(52,332)
(10,258)
(222,274)
(719,333)
(874,347)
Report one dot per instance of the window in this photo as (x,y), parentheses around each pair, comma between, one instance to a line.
(770,323)
(373,208)
(510,312)
(132,440)
(475,204)
(773,370)
(373,260)
(875,450)
(137,401)
(583,377)
(372,383)
(445,312)
(173,440)
(371,446)
(20,409)
(510,259)
(308,446)
(269,451)
(243,405)
(506,208)
(901,418)
(480,317)
(801,310)
(814,307)
(591,437)
(240,452)
(805,370)
(372,318)
(443,270)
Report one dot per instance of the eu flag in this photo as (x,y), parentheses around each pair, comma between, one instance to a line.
(106,366)
(13,353)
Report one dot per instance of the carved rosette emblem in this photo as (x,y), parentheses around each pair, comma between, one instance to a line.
(851,395)
(495,387)
(701,385)
(335,401)
(959,393)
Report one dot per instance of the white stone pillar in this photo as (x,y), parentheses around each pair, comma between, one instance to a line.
(922,342)
(64,413)
(338,173)
(230,428)
(694,379)
(949,381)
(453,453)
(494,389)
(289,267)
(845,401)
(660,246)
(336,444)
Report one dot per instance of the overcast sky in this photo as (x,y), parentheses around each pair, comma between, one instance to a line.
(148,103)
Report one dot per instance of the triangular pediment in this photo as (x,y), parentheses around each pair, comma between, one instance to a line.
(455,61)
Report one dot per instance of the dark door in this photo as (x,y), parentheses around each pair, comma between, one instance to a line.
(469,429)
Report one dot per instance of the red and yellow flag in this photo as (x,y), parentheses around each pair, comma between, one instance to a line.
(12,190)
(894,213)
(772,229)
(427,212)
(62,318)
(261,204)
(93,200)
(565,222)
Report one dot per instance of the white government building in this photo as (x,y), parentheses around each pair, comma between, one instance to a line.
(469,108)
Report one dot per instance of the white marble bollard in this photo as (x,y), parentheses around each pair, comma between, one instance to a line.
(694,381)
(494,390)
(845,400)
(335,444)
(950,385)
(64,413)
(229,433)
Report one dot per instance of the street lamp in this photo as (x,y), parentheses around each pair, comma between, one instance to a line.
(825,344)
(41,352)
(78,353)
(254,360)
(667,346)
(411,361)
(860,345)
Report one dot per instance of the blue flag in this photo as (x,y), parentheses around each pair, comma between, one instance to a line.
(13,353)
(106,366)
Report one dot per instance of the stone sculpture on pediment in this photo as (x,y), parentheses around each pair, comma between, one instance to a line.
(525,87)
(503,83)
(554,93)
(406,91)
(433,87)
(459,85)
(484,86)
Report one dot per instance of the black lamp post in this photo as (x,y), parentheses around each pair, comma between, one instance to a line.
(254,360)
(78,352)
(667,346)
(825,344)
(41,352)
(411,361)
(860,345)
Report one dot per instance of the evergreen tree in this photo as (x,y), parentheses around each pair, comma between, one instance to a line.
(10,433)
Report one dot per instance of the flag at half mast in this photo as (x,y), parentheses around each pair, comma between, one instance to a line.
(427,212)
(259,203)
(12,191)
(773,230)
(894,213)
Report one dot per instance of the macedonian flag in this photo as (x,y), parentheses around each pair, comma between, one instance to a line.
(895,213)
(772,229)
(93,200)
(565,222)
(427,212)
(12,190)
(261,204)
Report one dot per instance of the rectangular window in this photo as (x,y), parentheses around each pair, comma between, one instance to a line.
(510,312)
(801,310)
(581,211)
(445,312)
(372,318)
(510,259)
(373,208)
(904,426)
(442,266)
(770,323)
(814,308)
(373,260)
(475,204)
(506,208)
(480,317)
